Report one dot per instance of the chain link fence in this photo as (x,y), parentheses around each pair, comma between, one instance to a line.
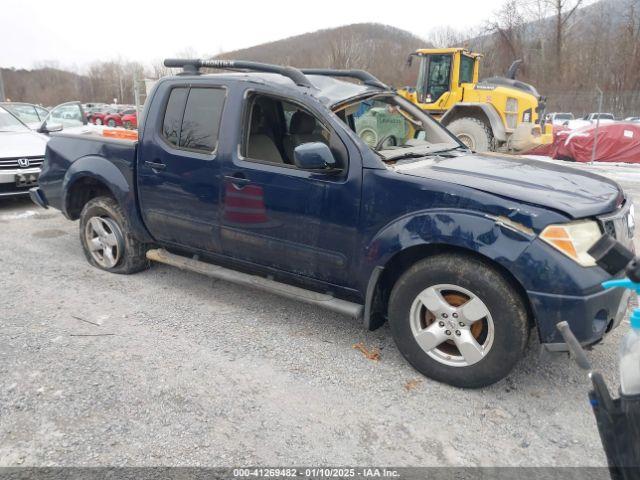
(620,104)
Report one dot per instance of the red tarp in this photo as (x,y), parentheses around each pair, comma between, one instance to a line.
(617,142)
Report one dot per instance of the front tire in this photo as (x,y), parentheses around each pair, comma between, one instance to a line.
(456,319)
(473,133)
(106,238)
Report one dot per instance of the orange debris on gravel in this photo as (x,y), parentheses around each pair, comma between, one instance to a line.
(411,384)
(373,354)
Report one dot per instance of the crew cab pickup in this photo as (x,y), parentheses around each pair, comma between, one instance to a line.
(258,176)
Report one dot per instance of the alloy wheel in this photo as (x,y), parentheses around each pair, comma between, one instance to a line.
(104,240)
(452,325)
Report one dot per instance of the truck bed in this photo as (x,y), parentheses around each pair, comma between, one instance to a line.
(71,155)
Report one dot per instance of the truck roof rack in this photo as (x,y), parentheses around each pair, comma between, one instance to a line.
(192,67)
(362,75)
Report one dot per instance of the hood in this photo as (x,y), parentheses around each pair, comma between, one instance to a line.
(574,192)
(22,144)
(487,83)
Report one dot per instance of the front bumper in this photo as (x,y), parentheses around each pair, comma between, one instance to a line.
(590,317)
(8,185)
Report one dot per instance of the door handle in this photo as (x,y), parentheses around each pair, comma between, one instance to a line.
(155,165)
(237,179)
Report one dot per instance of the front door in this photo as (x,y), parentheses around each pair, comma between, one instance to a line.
(435,77)
(280,216)
(179,169)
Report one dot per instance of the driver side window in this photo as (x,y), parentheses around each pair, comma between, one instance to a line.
(276,127)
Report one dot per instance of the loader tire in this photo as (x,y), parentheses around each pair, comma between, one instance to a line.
(473,133)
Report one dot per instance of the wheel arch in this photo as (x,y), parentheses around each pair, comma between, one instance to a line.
(93,176)
(484,112)
(385,276)
(81,191)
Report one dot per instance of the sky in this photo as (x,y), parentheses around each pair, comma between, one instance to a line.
(72,34)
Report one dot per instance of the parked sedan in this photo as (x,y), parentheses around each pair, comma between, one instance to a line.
(591,119)
(130,120)
(115,119)
(22,149)
(28,113)
(21,155)
(559,118)
(97,116)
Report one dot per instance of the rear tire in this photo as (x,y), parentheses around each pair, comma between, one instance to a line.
(111,122)
(106,238)
(475,328)
(97,121)
(473,133)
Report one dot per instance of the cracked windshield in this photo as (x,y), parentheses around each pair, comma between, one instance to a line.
(393,131)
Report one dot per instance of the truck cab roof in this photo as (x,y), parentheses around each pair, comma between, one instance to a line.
(328,90)
(319,83)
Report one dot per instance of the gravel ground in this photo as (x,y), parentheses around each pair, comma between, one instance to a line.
(172,368)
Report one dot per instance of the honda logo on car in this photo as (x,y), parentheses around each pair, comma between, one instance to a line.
(23,162)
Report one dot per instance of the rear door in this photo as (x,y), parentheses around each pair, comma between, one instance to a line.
(179,167)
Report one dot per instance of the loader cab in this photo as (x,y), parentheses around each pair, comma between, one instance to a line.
(442,74)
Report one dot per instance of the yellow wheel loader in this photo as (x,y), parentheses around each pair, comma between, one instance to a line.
(499,113)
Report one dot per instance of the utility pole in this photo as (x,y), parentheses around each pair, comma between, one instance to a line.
(595,134)
(121,88)
(2,97)
(136,94)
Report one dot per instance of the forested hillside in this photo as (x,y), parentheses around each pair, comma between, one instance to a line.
(569,47)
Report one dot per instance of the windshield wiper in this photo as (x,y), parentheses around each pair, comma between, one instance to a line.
(459,147)
(401,156)
(415,151)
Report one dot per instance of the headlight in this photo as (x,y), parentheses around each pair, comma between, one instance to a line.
(574,239)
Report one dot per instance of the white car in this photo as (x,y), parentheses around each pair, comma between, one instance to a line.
(22,149)
(632,119)
(21,155)
(559,118)
(589,119)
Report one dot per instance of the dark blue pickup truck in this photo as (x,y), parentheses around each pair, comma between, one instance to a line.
(258,176)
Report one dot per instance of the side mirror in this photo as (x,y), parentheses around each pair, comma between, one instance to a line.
(50,128)
(409,61)
(313,156)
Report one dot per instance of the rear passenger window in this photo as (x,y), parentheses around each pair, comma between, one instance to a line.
(202,119)
(192,118)
(173,115)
